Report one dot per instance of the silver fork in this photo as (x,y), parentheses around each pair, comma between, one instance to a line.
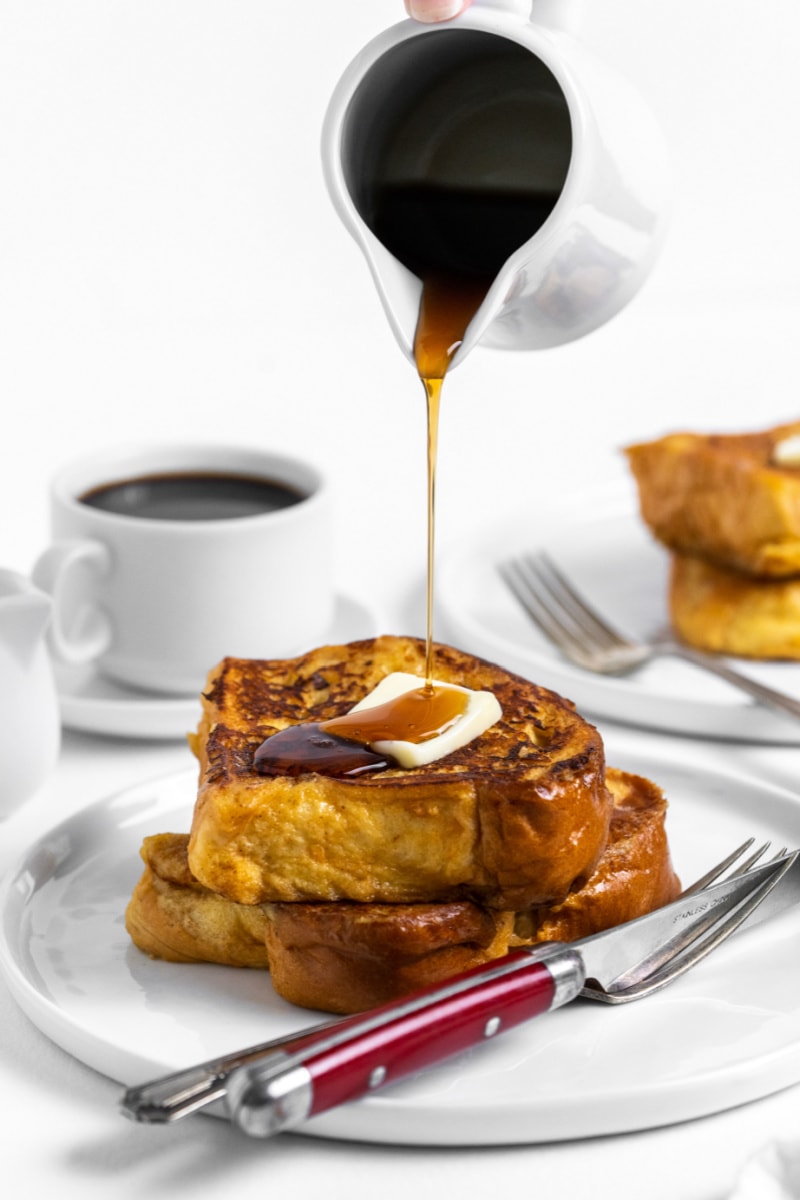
(673,955)
(588,640)
(276,1085)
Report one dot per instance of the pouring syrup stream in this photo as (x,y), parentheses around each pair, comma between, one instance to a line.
(447,306)
(340,745)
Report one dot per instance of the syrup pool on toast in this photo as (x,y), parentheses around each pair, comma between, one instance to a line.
(401,723)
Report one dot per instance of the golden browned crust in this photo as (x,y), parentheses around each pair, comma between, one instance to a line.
(722,497)
(171,916)
(515,818)
(634,875)
(345,957)
(348,957)
(726,612)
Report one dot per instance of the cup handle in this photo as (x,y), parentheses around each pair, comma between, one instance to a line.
(57,572)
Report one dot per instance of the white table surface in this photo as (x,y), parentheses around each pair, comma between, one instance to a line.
(170,268)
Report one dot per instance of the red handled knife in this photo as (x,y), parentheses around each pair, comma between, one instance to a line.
(277,1085)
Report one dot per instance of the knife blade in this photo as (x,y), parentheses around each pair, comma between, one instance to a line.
(277,1085)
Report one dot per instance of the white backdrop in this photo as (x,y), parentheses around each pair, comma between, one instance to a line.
(170,265)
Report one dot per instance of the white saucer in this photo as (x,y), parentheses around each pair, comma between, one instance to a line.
(92,704)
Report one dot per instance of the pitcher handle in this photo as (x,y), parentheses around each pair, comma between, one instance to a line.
(565,16)
(562,16)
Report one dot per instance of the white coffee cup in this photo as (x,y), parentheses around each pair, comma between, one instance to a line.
(155,602)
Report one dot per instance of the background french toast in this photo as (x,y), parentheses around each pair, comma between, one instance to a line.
(728,612)
(344,956)
(723,497)
(515,818)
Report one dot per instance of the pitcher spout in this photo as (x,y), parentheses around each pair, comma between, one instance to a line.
(399,290)
(495,151)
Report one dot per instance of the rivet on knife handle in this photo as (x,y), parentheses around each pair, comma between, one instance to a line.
(339,1065)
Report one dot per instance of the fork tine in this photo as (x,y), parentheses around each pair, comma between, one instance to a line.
(516,579)
(757,855)
(718,933)
(676,956)
(542,567)
(744,867)
(716,872)
(547,610)
(719,869)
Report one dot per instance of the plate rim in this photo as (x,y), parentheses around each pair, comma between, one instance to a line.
(369,1119)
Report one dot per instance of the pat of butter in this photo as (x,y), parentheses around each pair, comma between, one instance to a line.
(787,452)
(481,712)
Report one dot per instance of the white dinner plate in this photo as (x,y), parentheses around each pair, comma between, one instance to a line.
(608,553)
(93,704)
(725,1033)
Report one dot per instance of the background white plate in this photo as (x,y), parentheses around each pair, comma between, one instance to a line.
(726,1033)
(610,556)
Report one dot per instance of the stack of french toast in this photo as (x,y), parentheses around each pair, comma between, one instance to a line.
(727,508)
(353,890)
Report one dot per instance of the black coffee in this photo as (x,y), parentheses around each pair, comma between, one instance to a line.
(195,496)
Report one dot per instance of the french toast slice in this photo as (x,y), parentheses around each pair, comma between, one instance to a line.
(348,957)
(515,818)
(634,876)
(172,916)
(345,957)
(724,497)
(726,612)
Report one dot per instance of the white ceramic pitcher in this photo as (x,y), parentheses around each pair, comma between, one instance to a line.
(30,727)
(585,133)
